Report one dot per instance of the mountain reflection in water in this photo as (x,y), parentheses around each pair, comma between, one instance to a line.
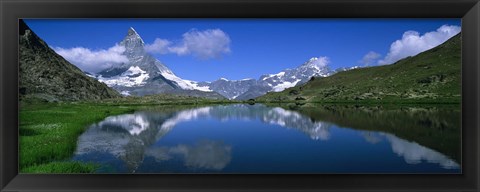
(244,138)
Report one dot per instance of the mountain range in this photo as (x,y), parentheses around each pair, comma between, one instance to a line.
(146,75)
(47,75)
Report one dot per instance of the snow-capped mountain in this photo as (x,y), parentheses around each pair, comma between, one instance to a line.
(291,77)
(144,74)
(231,89)
(251,88)
(314,67)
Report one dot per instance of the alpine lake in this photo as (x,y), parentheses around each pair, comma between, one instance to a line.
(259,138)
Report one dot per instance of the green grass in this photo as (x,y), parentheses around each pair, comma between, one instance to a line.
(165,99)
(62,167)
(49,132)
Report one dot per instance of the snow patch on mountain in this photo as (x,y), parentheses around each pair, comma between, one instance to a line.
(172,77)
(281,74)
(285,85)
(184,84)
(268,76)
(196,86)
(134,76)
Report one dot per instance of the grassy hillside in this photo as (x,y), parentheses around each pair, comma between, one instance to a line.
(433,76)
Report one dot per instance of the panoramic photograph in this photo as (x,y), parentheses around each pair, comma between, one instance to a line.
(240,96)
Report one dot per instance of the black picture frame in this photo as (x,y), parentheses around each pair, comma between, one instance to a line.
(11,11)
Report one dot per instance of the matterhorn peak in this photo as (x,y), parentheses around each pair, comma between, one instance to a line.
(132,31)
(134,35)
(132,39)
(133,44)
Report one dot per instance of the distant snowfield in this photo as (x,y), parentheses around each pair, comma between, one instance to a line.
(133,77)
(285,85)
(195,85)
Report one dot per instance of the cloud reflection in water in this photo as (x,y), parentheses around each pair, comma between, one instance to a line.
(206,154)
(412,152)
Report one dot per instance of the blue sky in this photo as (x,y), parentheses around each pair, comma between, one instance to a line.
(252,47)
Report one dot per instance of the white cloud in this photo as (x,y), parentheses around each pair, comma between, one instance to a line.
(371,137)
(158,46)
(413,43)
(205,154)
(370,58)
(211,43)
(93,60)
(320,62)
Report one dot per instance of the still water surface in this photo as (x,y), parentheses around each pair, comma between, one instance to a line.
(256,138)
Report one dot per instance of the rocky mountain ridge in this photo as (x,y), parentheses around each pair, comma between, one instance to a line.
(47,76)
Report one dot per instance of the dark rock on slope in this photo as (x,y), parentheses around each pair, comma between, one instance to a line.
(45,75)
